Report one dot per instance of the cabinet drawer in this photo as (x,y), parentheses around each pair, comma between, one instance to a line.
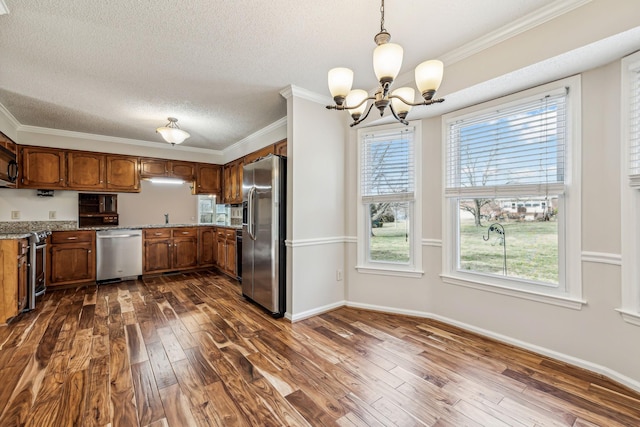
(185,232)
(157,233)
(230,234)
(58,237)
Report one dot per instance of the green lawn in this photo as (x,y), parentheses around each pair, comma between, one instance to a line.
(532,249)
(390,242)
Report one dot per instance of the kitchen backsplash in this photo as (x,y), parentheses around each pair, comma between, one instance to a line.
(28,226)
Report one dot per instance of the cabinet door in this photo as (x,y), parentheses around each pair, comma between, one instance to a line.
(122,173)
(239,175)
(206,246)
(42,168)
(231,257)
(183,170)
(85,171)
(157,255)
(208,179)
(227,183)
(221,250)
(23,282)
(150,168)
(281,148)
(256,155)
(72,262)
(185,252)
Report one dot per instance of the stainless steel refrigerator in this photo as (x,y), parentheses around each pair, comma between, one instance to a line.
(263,233)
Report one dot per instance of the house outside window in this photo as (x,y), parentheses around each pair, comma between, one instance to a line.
(630,192)
(510,187)
(389,208)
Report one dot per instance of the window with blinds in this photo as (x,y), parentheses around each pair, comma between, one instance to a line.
(514,150)
(389,203)
(633,120)
(387,166)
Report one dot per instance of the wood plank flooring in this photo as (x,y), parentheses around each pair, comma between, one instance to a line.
(188,350)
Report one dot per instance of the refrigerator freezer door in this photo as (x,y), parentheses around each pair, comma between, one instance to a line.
(261,251)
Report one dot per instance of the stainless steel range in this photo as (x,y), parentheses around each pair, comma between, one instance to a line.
(37,266)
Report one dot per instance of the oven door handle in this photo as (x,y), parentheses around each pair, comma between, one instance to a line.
(40,246)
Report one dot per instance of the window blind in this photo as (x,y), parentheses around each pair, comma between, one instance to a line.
(387,166)
(634,124)
(518,149)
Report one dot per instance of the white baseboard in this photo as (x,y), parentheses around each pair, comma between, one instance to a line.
(593,367)
(315,311)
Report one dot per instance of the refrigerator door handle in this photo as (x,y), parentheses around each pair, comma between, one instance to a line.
(251,226)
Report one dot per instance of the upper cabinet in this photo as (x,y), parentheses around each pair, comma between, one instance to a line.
(257,155)
(42,168)
(280,148)
(153,168)
(208,179)
(233,182)
(85,170)
(122,174)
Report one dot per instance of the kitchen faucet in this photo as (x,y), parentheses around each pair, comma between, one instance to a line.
(166,218)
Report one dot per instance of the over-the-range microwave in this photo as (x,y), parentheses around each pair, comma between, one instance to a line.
(8,168)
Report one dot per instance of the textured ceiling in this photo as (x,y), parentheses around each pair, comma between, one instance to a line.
(120,67)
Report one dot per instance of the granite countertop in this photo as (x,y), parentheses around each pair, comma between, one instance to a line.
(22,229)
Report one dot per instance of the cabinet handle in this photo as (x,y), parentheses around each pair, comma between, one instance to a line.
(89,251)
(157,234)
(72,238)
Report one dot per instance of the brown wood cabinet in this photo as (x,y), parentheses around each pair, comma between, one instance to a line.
(13,277)
(208,180)
(233,181)
(168,249)
(42,168)
(153,168)
(85,170)
(226,251)
(122,174)
(256,155)
(280,148)
(71,257)
(206,246)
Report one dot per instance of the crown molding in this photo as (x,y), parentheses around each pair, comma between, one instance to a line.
(512,29)
(299,92)
(3,8)
(265,130)
(518,26)
(112,139)
(10,117)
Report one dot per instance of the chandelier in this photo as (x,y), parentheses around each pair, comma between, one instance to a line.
(172,133)
(387,60)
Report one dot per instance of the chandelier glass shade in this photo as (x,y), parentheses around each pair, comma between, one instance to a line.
(172,133)
(387,61)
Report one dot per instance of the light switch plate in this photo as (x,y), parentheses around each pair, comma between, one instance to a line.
(15,214)
(52,215)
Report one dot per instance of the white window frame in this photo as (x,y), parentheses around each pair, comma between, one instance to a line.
(364,265)
(630,202)
(569,291)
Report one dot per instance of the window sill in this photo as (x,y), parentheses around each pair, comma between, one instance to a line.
(558,300)
(629,316)
(390,271)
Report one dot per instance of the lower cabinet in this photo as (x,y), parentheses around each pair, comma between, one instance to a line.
(206,246)
(71,257)
(168,249)
(13,277)
(226,250)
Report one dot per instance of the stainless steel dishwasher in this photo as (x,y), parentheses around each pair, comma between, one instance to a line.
(118,254)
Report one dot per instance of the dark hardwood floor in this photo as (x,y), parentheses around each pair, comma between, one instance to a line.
(187,350)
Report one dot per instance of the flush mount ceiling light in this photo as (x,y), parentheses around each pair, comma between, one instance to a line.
(172,133)
(387,60)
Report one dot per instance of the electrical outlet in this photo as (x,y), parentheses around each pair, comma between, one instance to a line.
(52,215)
(338,274)
(15,214)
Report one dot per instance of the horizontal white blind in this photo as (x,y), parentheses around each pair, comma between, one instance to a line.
(387,165)
(518,148)
(634,125)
